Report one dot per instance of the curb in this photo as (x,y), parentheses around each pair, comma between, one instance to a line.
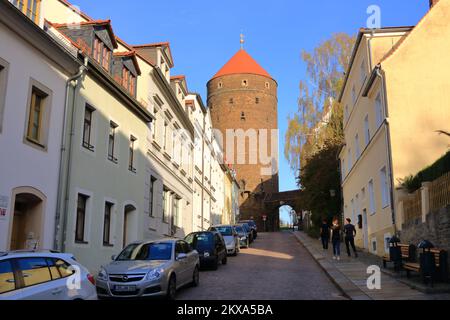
(348,288)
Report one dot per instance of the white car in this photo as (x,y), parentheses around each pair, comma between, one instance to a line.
(44,275)
(230,237)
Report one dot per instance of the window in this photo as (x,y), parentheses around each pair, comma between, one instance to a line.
(35,117)
(220,85)
(107,224)
(165,205)
(257,100)
(366,130)
(357,147)
(165,136)
(371,198)
(353,94)
(243,116)
(244,83)
(387,238)
(8,282)
(112,141)
(379,110)
(106,57)
(362,73)
(349,160)
(34,271)
(374,245)
(30,8)
(98,49)
(267,85)
(128,81)
(59,268)
(353,209)
(87,128)
(81,218)
(132,160)
(343,169)
(384,187)
(150,196)
(231,101)
(176,211)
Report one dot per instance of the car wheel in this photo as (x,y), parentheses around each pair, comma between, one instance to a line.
(216,264)
(196,277)
(225,260)
(172,288)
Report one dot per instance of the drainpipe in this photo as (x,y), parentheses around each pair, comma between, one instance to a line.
(381,74)
(61,213)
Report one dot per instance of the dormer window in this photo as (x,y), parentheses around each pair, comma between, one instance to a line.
(30,8)
(128,81)
(102,54)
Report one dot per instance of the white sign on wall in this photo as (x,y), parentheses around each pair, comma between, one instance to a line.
(4,200)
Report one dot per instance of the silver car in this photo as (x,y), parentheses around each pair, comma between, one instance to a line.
(149,268)
(230,237)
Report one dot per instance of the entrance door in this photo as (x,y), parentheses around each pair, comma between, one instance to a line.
(365,230)
(26,225)
(129,230)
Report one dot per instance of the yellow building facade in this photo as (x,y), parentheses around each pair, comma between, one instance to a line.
(394,102)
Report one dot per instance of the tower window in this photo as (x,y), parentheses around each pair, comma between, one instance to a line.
(231,101)
(257,100)
(267,85)
(243,116)
(220,85)
(244,83)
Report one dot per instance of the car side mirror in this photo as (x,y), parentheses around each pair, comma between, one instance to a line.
(113,257)
(181,256)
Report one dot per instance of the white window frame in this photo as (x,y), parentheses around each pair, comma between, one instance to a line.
(366,130)
(357,147)
(379,109)
(4,69)
(372,203)
(384,187)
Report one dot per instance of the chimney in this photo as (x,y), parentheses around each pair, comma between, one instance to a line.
(433,2)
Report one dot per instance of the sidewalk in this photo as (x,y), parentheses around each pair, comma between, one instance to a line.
(350,275)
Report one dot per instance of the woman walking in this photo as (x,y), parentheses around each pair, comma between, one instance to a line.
(336,239)
(325,234)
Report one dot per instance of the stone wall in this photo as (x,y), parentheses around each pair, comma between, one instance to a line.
(436,229)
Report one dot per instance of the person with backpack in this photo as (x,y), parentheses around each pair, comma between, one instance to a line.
(350,233)
(325,234)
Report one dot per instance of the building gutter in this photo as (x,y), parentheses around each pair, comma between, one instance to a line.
(64,172)
(382,76)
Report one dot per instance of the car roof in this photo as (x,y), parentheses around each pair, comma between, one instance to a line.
(222,225)
(172,240)
(35,253)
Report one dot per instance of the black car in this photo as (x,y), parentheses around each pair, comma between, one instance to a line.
(247,229)
(253,226)
(210,247)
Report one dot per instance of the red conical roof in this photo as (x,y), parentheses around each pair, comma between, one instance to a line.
(241,63)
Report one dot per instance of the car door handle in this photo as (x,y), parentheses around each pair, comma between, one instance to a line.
(56,291)
(10,281)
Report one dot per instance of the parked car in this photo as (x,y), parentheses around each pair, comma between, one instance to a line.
(243,236)
(230,237)
(44,275)
(149,268)
(249,231)
(253,226)
(210,246)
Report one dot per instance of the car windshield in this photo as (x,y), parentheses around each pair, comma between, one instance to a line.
(200,241)
(246,227)
(225,231)
(239,229)
(146,252)
(250,223)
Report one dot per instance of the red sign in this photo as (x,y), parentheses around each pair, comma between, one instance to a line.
(264,217)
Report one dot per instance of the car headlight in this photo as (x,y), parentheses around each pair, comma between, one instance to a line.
(102,275)
(154,274)
(206,254)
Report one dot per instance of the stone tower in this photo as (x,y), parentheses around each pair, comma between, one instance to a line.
(242,98)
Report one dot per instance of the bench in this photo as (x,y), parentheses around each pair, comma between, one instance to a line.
(438,267)
(408,253)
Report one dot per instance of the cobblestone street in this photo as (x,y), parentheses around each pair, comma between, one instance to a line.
(275,267)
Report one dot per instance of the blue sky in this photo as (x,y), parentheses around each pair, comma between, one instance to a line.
(204,35)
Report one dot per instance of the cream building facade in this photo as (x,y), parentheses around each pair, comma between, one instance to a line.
(394,102)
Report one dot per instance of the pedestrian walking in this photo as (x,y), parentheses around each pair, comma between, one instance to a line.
(350,233)
(325,234)
(336,239)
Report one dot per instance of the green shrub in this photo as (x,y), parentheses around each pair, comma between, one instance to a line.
(430,173)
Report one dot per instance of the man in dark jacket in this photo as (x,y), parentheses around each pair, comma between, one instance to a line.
(350,233)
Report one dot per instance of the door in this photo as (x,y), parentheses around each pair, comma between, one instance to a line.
(129,225)
(36,280)
(182,265)
(365,230)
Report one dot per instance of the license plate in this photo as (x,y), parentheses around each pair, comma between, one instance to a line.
(125,288)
